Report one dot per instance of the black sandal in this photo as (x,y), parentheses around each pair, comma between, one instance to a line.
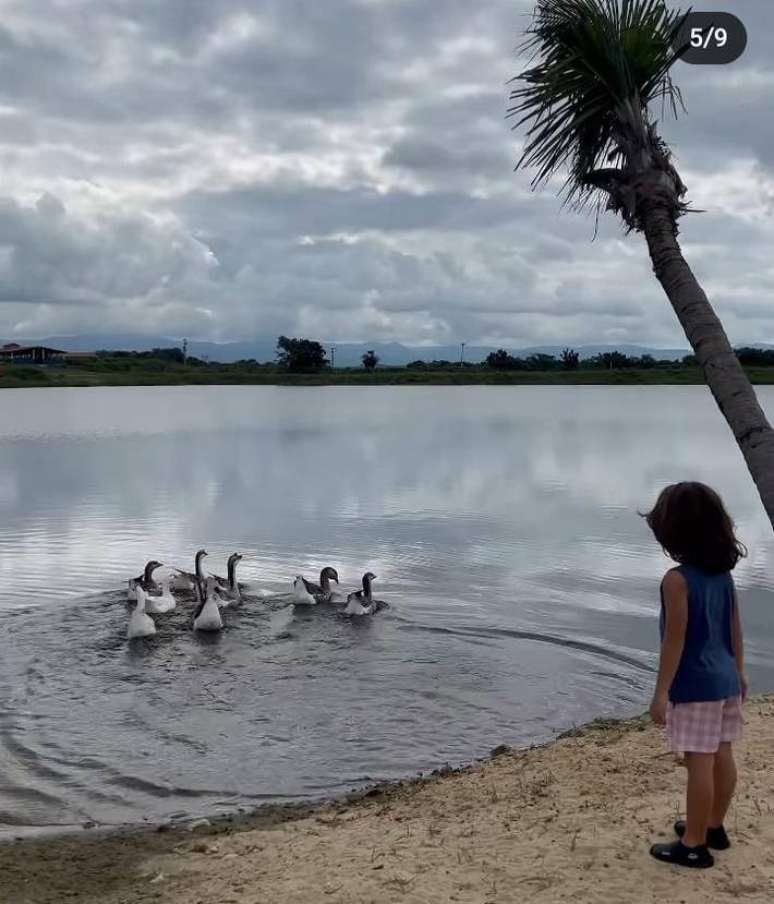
(717,839)
(677,853)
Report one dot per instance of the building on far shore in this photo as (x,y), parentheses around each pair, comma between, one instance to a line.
(39,354)
(28,354)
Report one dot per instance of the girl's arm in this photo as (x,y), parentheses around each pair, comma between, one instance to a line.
(675,594)
(736,632)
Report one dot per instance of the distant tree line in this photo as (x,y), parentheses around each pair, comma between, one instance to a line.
(306,355)
(159,354)
(440,365)
(755,357)
(309,356)
(571,360)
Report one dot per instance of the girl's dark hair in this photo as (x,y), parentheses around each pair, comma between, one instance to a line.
(692,525)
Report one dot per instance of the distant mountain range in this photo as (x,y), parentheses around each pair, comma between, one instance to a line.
(346,354)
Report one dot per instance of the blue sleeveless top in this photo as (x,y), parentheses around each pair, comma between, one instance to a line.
(708,669)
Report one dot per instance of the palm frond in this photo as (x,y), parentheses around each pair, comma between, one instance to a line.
(595,67)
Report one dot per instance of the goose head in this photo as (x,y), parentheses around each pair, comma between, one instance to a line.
(149,569)
(327,575)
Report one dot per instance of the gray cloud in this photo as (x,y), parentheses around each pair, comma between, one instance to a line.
(227,168)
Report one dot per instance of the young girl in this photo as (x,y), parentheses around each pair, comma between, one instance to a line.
(701,682)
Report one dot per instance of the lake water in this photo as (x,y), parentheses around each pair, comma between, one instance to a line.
(501,522)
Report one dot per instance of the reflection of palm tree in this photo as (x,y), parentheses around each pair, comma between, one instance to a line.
(597,66)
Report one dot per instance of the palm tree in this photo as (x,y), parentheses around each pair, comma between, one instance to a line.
(570,359)
(596,67)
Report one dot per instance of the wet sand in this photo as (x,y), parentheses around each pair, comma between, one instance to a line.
(571,821)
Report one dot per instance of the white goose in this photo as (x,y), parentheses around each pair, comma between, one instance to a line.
(159,603)
(140,623)
(207,617)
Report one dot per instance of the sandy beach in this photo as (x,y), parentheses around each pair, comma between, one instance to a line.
(571,821)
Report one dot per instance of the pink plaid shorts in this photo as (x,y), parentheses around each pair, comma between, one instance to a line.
(703,727)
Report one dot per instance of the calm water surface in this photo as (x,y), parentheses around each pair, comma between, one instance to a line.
(502,523)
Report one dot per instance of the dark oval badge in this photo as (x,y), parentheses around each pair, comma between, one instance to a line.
(711,39)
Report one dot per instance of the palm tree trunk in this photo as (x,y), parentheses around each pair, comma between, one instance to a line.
(724,374)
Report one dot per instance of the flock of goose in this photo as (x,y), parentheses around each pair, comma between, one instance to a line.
(212,593)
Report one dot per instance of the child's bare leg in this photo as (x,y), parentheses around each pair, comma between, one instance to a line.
(724,784)
(701,783)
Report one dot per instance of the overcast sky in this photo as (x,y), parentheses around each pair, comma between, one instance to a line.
(342,170)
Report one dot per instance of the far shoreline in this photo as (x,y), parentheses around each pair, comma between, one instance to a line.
(227,375)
